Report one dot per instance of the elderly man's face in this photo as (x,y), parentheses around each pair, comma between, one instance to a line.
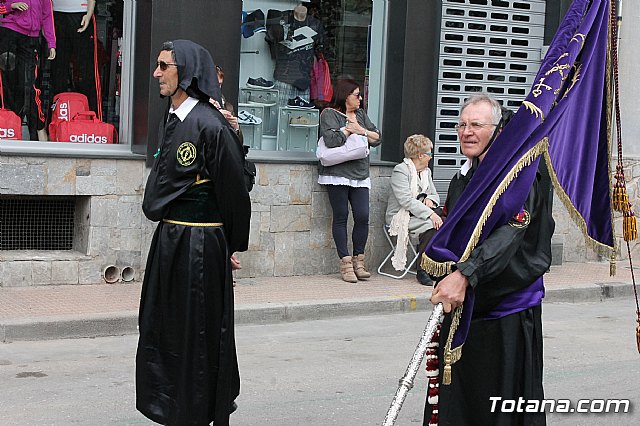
(475,129)
(167,77)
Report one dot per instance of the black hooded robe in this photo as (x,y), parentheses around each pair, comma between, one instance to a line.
(186,365)
(500,357)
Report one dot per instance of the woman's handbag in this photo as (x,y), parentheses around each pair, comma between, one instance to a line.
(355,148)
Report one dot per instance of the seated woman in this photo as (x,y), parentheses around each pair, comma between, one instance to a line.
(412,202)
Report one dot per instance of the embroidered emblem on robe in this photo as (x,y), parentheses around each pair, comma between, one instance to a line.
(186,153)
(520,220)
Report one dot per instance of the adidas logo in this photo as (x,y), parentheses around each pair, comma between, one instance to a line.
(63,111)
(88,138)
(7,133)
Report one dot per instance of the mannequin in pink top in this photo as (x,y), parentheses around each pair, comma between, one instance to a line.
(19,58)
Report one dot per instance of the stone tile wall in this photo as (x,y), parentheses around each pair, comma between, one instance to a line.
(110,226)
(290,225)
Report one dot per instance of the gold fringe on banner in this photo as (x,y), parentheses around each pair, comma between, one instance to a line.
(451,356)
(602,249)
(436,269)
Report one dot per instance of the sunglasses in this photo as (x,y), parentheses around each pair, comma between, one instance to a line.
(164,65)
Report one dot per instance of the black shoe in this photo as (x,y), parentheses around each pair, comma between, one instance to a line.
(300,103)
(423,278)
(259,83)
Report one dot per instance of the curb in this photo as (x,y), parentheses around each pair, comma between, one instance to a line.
(121,323)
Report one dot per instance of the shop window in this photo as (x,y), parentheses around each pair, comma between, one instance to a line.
(281,40)
(77,96)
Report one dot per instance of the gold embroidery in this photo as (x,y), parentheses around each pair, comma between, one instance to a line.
(186,154)
(579,38)
(535,110)
(536,91)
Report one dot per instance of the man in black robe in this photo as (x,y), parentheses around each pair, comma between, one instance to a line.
(502,353)
(186,365)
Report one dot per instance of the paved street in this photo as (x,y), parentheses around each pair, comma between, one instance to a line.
(326,372)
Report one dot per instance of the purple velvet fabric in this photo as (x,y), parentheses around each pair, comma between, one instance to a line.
(567,105)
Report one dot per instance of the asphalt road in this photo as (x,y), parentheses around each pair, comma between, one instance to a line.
(328,372)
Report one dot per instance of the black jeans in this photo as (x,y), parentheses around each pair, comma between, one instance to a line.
(340,197)
(77,49)
(19,77)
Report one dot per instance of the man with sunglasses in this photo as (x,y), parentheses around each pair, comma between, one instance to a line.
(501,355)
(186,366)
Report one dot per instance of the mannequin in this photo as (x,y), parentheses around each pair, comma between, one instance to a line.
(300,12)
(74,30)
(20,40)
(294,36)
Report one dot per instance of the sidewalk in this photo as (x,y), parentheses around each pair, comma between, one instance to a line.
(34,313)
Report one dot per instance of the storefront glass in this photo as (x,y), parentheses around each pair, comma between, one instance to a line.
(283,83)
(77,95)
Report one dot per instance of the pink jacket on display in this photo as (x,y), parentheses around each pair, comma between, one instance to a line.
(39,16)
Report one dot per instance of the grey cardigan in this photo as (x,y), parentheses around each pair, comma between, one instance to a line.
(331,121)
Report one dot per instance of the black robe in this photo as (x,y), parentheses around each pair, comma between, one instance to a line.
(186,366)
(500,357)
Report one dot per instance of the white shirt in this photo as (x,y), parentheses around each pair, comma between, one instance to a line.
(185,108)
(70,6)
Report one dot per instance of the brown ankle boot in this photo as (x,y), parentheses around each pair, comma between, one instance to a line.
(346,270)
(358,267)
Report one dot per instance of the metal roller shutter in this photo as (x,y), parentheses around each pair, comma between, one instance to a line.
(486,45)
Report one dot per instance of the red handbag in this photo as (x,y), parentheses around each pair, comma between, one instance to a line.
(86,128)
(65,106)
(321,89)
(10,123)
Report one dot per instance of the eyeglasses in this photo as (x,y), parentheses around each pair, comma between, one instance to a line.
(357,95)
(475,126)
(164,65)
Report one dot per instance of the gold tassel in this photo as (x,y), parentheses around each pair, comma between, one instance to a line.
(629,226)
(446,375)
(620,196)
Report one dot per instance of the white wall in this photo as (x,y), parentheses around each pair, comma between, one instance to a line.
(629,73)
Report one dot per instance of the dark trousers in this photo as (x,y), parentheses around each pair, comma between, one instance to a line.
(340,196)
(19,60)
(73,69)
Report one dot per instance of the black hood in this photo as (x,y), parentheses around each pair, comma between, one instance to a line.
(196,71)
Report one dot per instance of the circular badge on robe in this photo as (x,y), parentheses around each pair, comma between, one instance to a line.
(186,154)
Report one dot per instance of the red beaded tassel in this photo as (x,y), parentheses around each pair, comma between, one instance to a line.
(433,370)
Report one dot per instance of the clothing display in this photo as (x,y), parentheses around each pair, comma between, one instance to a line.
(252,23)
(73,69)
(300,102)
(20,46)
(293,43)
(259,83)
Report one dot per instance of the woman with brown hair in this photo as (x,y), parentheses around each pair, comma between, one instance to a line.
(348,183)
